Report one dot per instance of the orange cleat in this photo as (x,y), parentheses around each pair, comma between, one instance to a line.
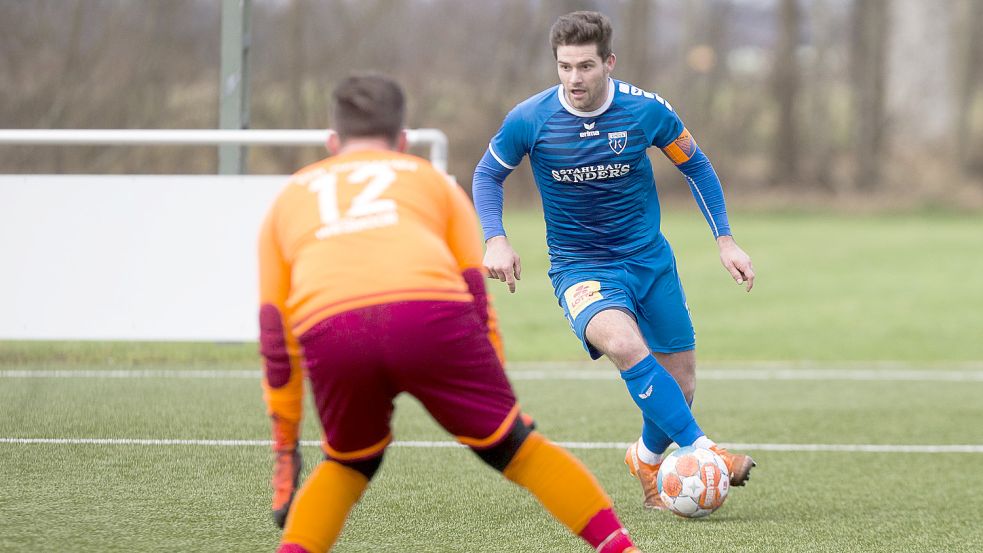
(648,476)
(738,465)
(286,476)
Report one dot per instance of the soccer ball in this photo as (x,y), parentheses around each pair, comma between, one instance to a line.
(693,482)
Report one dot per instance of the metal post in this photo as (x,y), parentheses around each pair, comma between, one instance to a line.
(234,86)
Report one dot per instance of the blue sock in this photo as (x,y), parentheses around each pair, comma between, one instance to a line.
(653,437)
(657,394)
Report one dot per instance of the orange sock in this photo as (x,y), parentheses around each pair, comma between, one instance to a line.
(321,507)
(561,482)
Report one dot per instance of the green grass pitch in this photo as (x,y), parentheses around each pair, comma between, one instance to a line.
(843,293)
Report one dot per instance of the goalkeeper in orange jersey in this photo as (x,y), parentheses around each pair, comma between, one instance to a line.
(371,282)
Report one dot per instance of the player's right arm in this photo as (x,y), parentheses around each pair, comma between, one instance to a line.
(505,152)
(282,373)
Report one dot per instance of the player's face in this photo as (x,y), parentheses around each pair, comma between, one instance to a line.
(584,75)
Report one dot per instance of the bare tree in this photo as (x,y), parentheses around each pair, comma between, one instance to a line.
(971,73)
(704,43)
(637,40)
(868,73)
(785,88)
(297,115)
(819,140)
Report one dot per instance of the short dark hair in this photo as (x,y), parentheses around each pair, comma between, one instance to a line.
(578,28)
(368,105)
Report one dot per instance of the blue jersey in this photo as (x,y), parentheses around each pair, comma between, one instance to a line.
(593,173)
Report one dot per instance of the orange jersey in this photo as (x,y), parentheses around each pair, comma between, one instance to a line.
(360,229)
(365,228)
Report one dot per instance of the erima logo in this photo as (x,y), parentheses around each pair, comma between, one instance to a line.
(589,130)
(646,393)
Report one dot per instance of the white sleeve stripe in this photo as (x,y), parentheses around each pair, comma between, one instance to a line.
(706,208)
(498,159)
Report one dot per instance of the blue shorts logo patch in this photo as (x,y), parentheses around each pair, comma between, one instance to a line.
(580,295)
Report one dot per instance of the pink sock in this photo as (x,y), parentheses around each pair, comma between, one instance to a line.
(291,548)
(605,533)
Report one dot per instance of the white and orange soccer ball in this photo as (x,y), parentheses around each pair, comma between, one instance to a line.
(693,482)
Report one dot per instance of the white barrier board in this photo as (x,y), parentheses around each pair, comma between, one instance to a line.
(131,257)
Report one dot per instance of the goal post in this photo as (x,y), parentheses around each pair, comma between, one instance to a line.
(140,257)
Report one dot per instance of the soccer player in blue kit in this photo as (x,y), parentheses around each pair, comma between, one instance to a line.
(613,271)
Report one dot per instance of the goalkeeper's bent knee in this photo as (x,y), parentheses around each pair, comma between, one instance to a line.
(501,454)
(367,467)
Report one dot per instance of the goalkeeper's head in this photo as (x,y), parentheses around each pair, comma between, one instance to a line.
(369,106)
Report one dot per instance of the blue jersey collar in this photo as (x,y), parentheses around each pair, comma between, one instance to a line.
(604,107)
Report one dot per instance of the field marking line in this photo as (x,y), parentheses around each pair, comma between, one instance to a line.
(747,374)
(768,364)
(849,448)
(906,375)
(133,373)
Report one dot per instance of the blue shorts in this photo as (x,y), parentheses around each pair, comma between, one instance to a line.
(646,286)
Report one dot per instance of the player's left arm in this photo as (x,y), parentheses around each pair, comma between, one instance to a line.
(687,156)
(282,374)
(464,241)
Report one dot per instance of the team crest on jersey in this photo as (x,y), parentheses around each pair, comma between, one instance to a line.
(618,141)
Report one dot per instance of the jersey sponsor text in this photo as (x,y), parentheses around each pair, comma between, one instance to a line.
(591,172)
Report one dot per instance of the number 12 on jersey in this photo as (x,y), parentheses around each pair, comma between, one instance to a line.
(366,211)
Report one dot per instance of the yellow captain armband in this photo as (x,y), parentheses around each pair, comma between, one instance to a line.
(681,149)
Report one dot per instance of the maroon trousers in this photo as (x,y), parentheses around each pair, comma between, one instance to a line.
(437,351)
